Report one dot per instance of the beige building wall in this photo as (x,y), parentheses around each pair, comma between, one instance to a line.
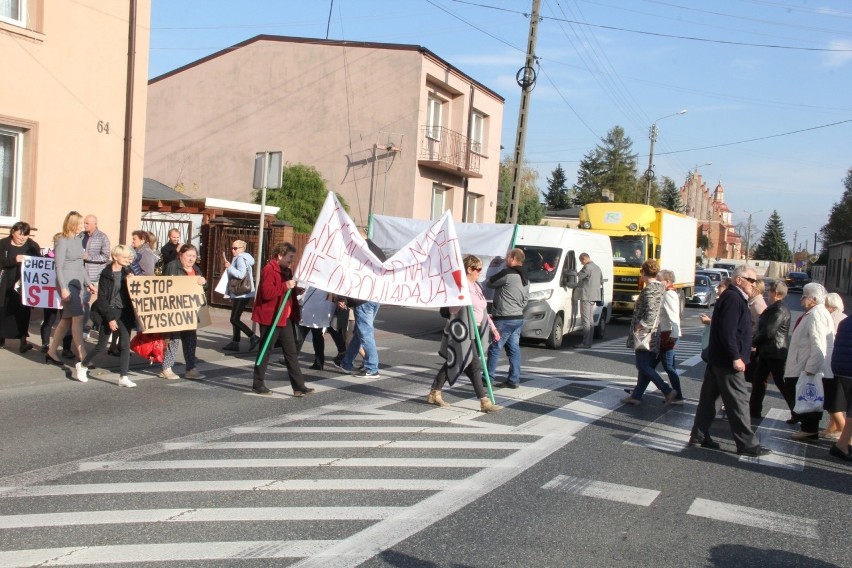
(65,76)
(354,111)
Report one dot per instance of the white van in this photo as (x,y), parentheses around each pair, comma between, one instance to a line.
(552,262)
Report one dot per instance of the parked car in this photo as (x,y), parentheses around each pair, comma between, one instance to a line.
(705,292)
(797,280)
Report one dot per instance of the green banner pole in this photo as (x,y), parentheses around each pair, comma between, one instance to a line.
(481,354)
(269,332)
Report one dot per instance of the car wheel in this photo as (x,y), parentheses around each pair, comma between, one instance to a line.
(554,340)
(601,327)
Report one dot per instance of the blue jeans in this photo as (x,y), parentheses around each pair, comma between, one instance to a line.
(363,336)
(646,363)
(667,358)
(510,338)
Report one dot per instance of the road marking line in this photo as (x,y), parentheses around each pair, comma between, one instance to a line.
(231,485)
(758,518)
(774,434)
(541,359)
(483,428)
(277,445)
(692,361)
(602,490)
(556,429)
(286,462)
(669,433)
(172,552)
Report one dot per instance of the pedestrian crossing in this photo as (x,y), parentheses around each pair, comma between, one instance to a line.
(364,475)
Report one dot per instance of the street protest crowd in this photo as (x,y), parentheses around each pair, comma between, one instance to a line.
(748,338)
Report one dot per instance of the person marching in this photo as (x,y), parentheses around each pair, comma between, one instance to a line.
(239,266)
(473,267)
(275,281)
(184,265)
(14,315)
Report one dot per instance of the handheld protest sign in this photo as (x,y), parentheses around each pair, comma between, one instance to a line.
(168,303)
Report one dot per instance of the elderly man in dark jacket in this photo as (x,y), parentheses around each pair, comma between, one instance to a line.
(729,353)
(771,342)
(841,366)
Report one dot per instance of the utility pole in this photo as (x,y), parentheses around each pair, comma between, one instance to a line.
(748,233)
(526,80)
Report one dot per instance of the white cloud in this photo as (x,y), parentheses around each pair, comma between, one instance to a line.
(839,58)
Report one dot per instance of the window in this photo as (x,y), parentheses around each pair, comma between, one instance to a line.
(13,12)
(439,200)
(473,201)
(433,118)
(477,132)
(11,140)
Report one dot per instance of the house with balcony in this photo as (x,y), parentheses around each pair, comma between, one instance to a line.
(394,129)
(72,113)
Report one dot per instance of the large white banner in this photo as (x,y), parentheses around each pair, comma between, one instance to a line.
(426,272)
(38,283)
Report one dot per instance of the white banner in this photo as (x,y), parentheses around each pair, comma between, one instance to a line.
(38,283)
(426,272)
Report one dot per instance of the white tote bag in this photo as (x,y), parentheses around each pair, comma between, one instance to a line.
(810,394)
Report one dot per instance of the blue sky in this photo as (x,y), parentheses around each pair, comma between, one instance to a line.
(775,72)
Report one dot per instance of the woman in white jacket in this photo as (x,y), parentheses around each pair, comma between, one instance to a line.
(810,352)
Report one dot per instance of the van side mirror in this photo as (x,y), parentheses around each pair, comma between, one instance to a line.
(570,279)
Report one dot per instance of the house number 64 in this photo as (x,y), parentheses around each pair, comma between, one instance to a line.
(103,127)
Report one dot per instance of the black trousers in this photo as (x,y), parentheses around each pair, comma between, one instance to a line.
(731,386)
(758,383)
(238,306)
(284,337)
(123,334)
(318,341)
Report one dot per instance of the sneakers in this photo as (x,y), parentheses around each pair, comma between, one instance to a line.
(169,374)
(301,393)
(232,346)
(192,375)
(125,382)
(631,401)
(80,373)
(363,373)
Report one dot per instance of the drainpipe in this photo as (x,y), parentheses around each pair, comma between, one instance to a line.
(467,154)
(128,123)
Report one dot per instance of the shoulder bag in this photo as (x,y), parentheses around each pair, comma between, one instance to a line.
(240,286)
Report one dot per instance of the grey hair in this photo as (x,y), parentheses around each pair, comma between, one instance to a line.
(740,271)
(777,287)
(833,300)
(667,275)
(815,291)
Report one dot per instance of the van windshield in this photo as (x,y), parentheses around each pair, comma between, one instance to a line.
(628,251)
(541,262)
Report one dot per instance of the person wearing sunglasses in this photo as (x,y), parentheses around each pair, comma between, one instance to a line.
(729,352)
(240,265)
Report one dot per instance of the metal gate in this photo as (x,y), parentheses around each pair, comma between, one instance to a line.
(216,238)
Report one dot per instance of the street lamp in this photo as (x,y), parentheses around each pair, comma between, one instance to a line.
(653,136)
(748,231)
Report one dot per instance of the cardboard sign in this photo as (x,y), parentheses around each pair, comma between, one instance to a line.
(38,283)
(426,272)
(168,303)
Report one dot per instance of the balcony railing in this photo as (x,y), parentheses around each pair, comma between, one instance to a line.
(446,149)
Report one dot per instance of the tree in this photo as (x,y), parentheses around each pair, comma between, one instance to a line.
(300,198)
(670,197)
(557,196)
(773,244)
(530,209)
(839,226)
(611,165)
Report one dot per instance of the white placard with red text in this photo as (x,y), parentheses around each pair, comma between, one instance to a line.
(38,283)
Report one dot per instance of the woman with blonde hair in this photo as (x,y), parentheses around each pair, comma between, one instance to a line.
(71,279)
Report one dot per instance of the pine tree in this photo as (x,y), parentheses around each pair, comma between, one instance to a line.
(557,196)
(670,197)
(611,165)
(839,226)
(773,243)
(530,208)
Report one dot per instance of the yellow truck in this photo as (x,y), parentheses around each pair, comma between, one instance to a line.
(639,232)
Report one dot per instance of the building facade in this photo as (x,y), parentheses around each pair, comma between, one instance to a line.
(72,112)
(714,217)
(392,128)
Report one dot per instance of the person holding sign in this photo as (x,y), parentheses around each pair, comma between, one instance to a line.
(275,281)
(14,315)
(112,311)
(184,265)
(72,281)
(473,268)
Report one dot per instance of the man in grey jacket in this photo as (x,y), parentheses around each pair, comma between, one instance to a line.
(588,293)
(511,292)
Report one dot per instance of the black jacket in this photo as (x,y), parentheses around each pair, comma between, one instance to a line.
(730,330)
(102,311)
(841,357)
(773,327)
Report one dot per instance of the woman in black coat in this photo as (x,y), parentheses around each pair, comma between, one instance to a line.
(112,312)
(14,316)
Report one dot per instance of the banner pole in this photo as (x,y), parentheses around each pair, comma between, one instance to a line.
(481,353)
(269,332)
(514,236)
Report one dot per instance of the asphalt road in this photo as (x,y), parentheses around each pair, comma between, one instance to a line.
(364,473)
